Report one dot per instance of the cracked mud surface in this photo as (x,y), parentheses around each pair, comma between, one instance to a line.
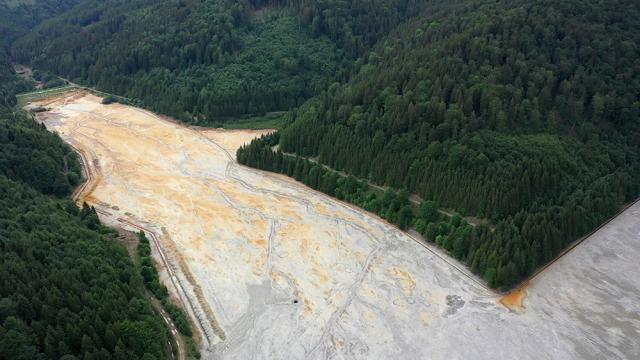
(273,270)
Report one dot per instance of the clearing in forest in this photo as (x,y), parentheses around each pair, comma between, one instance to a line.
(271,269)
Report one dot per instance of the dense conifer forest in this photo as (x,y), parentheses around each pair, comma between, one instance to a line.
(17,17)
(524,113)
(205,61)
(68,289)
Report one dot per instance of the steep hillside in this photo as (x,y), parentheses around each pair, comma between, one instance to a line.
(202,61)
(67,287)
(18,16)
(524,113)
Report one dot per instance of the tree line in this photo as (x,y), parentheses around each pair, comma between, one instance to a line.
(210,61)
(68,289)
(503,252)
(152,282)
(526,114)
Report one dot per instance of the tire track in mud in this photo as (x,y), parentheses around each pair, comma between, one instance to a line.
(385,230)
(229,174)
(353,208)
(310,207)
(243,323)
(351,294)
(196,288)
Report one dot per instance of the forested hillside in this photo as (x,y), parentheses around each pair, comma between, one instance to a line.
(67,288)
(18,16)
(203,61)
(7,77)
(525,113)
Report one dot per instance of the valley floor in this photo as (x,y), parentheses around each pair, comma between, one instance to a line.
(270,269)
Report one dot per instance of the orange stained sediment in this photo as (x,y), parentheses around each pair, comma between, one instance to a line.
(514,300)
(236,237)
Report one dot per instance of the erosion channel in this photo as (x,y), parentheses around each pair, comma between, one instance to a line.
(269,269)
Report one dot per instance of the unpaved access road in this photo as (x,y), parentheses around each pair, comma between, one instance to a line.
(177,339)
(270,269)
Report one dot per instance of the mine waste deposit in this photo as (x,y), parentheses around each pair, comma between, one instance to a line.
(268,268)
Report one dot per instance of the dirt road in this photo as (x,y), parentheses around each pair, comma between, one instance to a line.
(413,198)
(177,342)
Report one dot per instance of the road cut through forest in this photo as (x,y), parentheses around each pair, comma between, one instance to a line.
(270,269)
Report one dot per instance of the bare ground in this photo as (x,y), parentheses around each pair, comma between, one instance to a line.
(270,269)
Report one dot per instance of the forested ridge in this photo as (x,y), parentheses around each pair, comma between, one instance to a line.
(525,113)
(205,61)
(68,289)
(16,19)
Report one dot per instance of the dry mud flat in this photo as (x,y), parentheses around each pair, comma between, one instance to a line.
(273,270)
